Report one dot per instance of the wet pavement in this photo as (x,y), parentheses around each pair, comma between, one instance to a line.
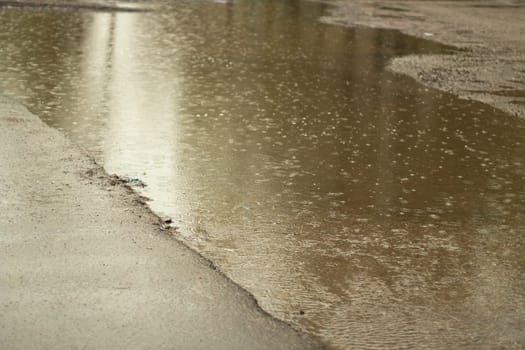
(353,203)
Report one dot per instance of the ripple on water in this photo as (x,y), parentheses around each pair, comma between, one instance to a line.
(353,203)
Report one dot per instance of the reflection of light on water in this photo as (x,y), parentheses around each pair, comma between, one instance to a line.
(95,60)
(94,70)
(141,129)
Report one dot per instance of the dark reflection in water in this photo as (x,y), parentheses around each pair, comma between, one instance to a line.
(390,215)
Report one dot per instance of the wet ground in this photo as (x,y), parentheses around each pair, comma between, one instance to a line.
(491,35)
(353,203)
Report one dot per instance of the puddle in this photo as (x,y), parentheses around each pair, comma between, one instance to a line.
(70,6)
(506,93)
(392,8)
(352,202)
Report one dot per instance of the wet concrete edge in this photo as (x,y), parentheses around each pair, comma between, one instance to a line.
(99,177)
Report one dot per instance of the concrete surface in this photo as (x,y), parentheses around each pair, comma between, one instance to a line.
(490,66)
(84,265)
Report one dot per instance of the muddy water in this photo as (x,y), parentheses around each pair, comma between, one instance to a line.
(353,203)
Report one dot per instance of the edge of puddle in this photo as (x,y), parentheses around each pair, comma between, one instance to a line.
(98,176)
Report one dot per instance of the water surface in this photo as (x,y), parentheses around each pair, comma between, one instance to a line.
(353,203)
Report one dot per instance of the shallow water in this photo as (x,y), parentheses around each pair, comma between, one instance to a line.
(353,203)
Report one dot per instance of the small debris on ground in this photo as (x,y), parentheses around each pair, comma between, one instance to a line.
(133,181)
(164,227)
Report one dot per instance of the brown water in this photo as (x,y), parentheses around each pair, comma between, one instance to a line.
(353,203)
